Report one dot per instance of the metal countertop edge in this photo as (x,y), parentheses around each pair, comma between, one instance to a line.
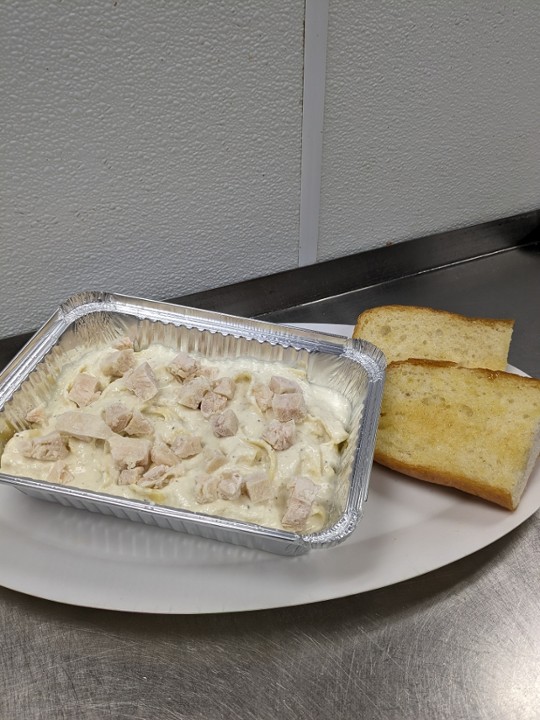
(330,278)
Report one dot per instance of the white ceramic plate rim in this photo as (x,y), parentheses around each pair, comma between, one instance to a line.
(410,528)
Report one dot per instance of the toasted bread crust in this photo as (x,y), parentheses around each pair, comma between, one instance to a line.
(500,375)
(472,429)
(409,331)
(438,476)
(451,414)
(407,309)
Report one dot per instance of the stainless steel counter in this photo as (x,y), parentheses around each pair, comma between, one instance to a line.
(459,642)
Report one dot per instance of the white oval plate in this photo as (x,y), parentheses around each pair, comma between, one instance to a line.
(75,557)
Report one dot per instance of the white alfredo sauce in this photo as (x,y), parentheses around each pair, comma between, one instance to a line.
(315,452)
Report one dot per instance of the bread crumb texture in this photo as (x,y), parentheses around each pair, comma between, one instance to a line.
(405,331)
(473,429)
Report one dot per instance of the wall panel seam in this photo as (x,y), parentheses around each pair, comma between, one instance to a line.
(315,41)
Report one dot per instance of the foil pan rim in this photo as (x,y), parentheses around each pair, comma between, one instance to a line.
(358,351)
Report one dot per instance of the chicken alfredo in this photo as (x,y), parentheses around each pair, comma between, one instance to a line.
(239,438)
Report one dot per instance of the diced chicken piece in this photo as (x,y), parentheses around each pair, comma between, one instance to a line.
(142,382)
(280,435)
(129,452)
(207,371)
(157,477)
(296,515)
(47,447)
(161,454)
(187,446)
(139,425)
(289,406)
(303,488)
(258,487)
(229,486)
(263,396)
(212,403)
(215,460)
(36,415)
(60,473)
(85,389)
(117,416)
(183,366)
(118,363)
(225,424)
(302,494)
(206,489)
(131,476)
(82,425)
(193,391)
(123,343)
(280,385)
(225,386)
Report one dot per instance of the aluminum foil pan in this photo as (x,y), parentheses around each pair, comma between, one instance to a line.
(92,319)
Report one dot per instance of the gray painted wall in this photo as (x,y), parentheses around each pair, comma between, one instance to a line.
(432,118)
(154,148)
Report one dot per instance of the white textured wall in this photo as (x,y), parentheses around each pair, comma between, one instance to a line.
(432,118)
(153,147)
(148,147)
